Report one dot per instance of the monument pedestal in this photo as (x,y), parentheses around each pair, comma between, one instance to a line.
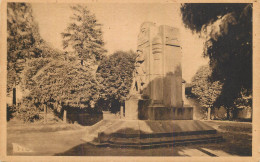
(153,133)
(131,111)
(169,113)
(141,109)
(147,126)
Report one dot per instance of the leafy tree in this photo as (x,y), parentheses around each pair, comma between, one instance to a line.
(114,75)
(60,83)
(76,88)
(244,101)
(206,91)
(28,111)
(30,106)
(84,35)
(23,45)
(228,31)
(23,40)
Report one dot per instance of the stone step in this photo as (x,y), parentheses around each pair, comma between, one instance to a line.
(150,133)
(138,141)
(156,135)
(93,131)
(162,143)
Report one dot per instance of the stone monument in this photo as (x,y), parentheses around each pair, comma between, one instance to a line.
(156,92)
(155,114)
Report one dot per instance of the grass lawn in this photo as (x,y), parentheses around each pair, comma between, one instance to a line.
(237,135)
(65,139)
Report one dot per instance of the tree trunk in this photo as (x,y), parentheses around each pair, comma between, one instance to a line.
(235,113)
(122,111)
(209,113)
(14,96)
(81,62)
(228,117)
(65,116)
(45,113)
(57,106)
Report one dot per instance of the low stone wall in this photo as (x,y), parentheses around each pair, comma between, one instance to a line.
(84,118)
(107,115)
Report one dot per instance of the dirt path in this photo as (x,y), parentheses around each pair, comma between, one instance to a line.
(42,140)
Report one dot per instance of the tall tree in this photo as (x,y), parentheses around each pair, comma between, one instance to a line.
(24,46)
(23,40)
(84,35)
(228,31)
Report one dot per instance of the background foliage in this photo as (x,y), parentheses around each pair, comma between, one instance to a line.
(205,90)
(115,75)
(228,32)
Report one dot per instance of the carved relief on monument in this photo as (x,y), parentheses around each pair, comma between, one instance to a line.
(144,34)
(142,62)
(171,36)
(140,71)
(155,58)
(157,47)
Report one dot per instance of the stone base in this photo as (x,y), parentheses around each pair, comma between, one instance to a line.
(141,109)
(147,134)
(131,109)
(167,113)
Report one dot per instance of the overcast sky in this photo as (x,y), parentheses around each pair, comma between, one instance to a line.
(121,25)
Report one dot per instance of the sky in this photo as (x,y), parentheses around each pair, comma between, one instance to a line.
(121,24)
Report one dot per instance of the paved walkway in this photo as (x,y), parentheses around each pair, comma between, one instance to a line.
(202,152)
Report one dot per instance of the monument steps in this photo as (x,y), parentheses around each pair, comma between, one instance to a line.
(92,132)
(146,133)
(134,141)
(161,143)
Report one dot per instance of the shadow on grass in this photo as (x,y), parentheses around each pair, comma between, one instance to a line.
(235,144)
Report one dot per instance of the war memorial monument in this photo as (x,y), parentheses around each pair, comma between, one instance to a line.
(155,113)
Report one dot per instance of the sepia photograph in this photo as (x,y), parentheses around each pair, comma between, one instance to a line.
(129,79)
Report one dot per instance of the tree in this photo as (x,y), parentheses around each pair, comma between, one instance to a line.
(244,101)
(206,91)
(63,83)
(23,40)
(84,35)
(24,44)
(115,75)
(228,30)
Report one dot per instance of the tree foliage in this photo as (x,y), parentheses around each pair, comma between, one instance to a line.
(115,75)
(206,91)
(228,30)
(24,45)
(244,101)
(62,81)
(23,40)
(84,35)
(28,111)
